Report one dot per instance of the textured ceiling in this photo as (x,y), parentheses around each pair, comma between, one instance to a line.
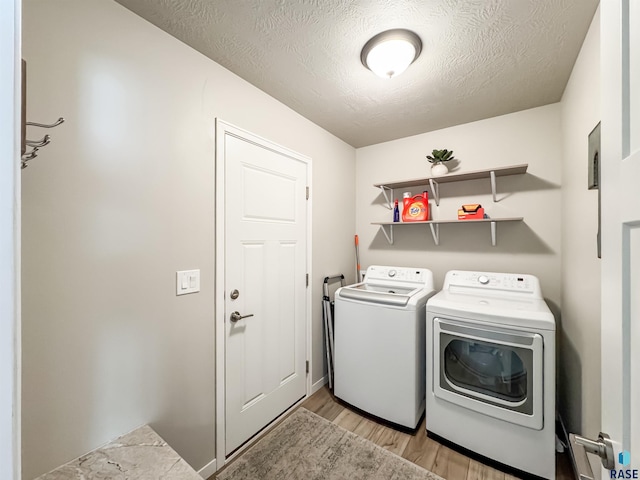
(480,58)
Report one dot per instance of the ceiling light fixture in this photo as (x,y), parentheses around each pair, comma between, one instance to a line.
(389,53)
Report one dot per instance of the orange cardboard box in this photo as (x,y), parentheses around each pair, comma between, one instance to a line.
(473,211)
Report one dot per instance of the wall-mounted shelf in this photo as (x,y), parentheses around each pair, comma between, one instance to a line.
(434,182)
(434,225)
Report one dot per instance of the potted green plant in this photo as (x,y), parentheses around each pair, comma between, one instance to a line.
(437,160)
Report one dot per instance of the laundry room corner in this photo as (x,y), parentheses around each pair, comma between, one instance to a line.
(579,335)
(531,137)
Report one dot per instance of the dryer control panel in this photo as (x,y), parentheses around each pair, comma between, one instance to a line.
(510,283)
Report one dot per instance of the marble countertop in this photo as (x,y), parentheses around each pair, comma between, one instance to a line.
(141,454)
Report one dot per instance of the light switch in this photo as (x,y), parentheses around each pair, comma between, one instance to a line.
(187,281)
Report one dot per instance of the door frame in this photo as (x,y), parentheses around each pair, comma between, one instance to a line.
(10,211)
(223,128)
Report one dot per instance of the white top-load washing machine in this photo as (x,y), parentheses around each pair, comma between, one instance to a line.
(491,376)
(379,340)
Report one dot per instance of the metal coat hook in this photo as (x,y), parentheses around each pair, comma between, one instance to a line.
(37,144)
(32,154)
(46,125)
(28,156)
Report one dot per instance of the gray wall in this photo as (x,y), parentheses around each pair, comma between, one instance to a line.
(579,379)
(121,199)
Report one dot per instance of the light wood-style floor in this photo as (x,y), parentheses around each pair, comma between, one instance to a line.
(416,447)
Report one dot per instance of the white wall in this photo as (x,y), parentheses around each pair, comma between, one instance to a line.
(579,379)
(532,246)
(120,200)
(10,108)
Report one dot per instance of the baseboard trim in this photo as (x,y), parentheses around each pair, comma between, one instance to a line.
(319,384)
(208,470)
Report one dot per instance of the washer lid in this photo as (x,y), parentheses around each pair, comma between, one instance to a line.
(385,294)
(393,286)
(531,312)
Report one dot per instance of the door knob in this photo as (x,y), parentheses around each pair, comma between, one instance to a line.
(235,316)
(603,447)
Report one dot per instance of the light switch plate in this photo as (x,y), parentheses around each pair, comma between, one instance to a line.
(187,281)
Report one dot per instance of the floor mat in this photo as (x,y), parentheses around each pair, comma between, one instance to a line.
(306,446)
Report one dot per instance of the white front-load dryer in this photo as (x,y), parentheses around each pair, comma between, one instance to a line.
(491,376)
(379,338)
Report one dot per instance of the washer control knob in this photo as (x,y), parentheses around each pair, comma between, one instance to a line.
(392,273)
(483,279)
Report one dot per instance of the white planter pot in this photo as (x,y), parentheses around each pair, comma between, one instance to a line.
(439,169)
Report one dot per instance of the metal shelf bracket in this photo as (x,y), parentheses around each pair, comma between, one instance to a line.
(493,187)
(493,234)
(387,197)
(389,235)
(435,232)
(435,190)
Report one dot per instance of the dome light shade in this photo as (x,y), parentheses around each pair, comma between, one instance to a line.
(389,53)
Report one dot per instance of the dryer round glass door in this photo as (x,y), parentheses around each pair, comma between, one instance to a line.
(490,369)
(495,372)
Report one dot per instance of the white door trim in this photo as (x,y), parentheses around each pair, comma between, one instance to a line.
(222,128)
(10,342)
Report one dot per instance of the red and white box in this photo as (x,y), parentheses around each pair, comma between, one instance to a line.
(472,211)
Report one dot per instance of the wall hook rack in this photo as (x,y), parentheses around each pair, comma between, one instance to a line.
(36,145)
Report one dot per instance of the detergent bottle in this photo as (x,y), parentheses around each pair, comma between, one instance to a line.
(416,208)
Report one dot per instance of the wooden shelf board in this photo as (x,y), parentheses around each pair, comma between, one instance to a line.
(438,222)
(458,177)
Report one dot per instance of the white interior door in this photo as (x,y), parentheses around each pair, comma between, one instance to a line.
(265,238)
(620,170)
